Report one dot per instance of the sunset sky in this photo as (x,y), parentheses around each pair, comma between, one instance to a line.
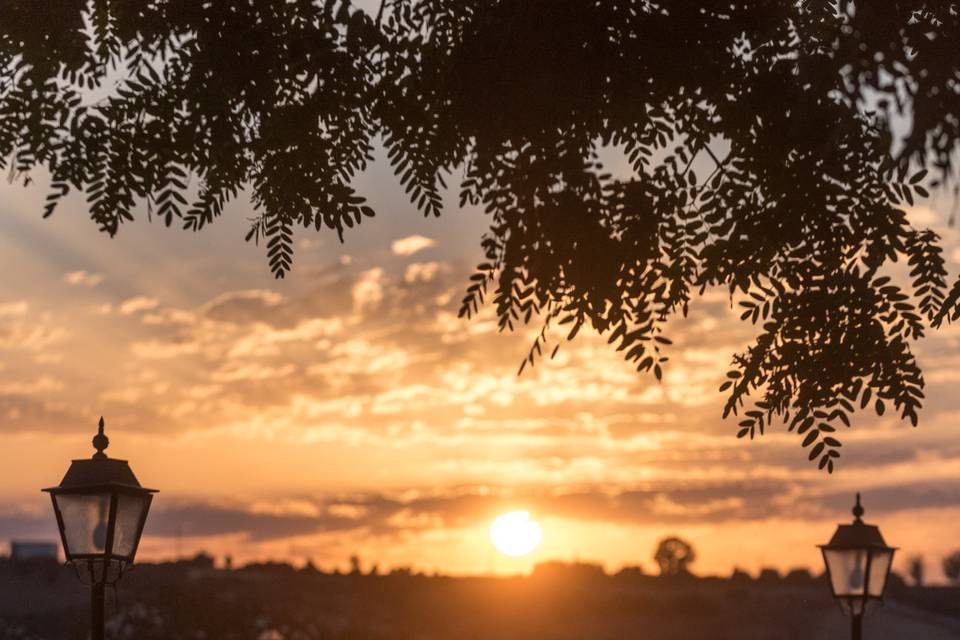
(347,409)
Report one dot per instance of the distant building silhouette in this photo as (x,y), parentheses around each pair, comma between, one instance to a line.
(33,551)
(202,560)
(558,570)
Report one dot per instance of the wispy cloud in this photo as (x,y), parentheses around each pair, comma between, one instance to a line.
(411,244)
(137,304)
(83,279)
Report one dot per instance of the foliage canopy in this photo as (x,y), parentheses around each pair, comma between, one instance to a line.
(792,106)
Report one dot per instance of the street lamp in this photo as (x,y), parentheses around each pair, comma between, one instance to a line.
(858,563)
(101,509)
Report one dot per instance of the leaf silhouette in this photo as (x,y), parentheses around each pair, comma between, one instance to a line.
(754,166)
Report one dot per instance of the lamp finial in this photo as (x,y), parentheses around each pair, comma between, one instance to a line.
(100,442)
(858,510)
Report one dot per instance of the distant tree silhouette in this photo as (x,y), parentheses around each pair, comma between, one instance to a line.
(740,576)
(768,575)
(916,570)
(759,138)
(629,572)
(798,576)
(951,567)
(674,557)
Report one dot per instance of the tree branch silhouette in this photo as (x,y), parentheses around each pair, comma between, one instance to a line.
(801,221)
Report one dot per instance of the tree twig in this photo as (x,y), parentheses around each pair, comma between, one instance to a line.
(383,3)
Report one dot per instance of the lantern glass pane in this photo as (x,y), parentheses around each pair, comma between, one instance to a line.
(130,516)
(85,521)
(848,570)
(878,572)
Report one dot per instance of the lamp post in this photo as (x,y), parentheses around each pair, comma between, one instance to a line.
(858,563)
(101,509)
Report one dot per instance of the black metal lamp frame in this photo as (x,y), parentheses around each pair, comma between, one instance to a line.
(867,539)
(100,476)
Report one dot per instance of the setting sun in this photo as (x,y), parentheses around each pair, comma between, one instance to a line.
(515,534)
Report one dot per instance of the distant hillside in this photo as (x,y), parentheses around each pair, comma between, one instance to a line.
(193,600)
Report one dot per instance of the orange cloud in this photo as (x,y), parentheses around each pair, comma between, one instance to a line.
(411,244)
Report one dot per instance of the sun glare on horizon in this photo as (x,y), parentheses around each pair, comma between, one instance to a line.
(515,533)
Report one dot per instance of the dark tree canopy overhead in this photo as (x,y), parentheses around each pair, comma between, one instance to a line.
(791,105)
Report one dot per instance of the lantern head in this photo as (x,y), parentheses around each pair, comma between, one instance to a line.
(101,509)
(858,562)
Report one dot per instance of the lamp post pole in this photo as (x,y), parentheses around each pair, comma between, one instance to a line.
(856,631)
(97,593)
